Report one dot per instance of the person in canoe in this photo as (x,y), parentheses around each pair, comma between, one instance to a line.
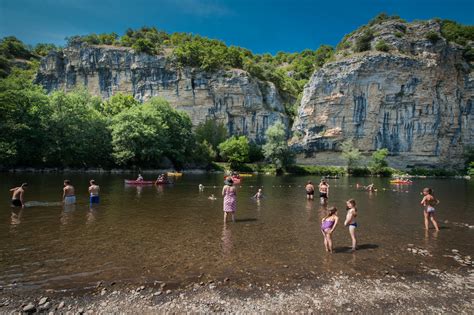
(69,197)
(17,195)
(309,190)
(162,179)
(429,202)
(230,199)
(139,178)
(93,192)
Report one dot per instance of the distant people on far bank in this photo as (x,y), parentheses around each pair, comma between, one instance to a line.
(17,195)
(309,190)
(323,191)
(230,199)
(69,196)
(429,202)
(351,222)
(328,224)
(94,192)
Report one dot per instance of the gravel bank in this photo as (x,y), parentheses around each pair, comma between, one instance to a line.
(431,292)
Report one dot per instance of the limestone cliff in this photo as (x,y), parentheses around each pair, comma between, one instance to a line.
(417,99)
(247,106)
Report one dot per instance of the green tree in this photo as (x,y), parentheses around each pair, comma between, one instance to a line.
(118,103)
(235,150)
(78,133)
(144,45)
(351,154)
(42,49)
(211,131)
(378,162)
(12,47)
(276,148)
(24,116)
(203,153)
(144,135)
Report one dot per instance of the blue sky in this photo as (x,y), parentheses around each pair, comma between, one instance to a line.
(259,25)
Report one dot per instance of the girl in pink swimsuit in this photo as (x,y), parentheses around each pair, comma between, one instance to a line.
(328,224)
(230,199)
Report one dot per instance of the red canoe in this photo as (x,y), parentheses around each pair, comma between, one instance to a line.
(139,182)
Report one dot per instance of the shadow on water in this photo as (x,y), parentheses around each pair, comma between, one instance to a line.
(347,249)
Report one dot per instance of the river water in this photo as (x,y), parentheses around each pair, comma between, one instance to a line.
(175,233)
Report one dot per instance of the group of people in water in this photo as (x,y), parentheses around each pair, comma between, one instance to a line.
(68,197)
(328,223)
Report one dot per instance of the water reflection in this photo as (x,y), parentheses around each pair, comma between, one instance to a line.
(16,218)
(226,239)
(91,215)
(67,214)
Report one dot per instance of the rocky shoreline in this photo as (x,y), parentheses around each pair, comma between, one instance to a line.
(433,291)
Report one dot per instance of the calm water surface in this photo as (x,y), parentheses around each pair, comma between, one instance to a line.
(174,233)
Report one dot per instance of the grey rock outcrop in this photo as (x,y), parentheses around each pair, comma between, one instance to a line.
(416,100)
(246,105)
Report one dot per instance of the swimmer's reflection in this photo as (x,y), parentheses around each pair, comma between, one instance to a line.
(67,214)
(16,218)
(159,188)
(139,191)
(91,215)
(227,243)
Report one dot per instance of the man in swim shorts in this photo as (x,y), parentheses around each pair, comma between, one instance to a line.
(309,190)
(17,196)
(69,197)
(93,192)
(323,190)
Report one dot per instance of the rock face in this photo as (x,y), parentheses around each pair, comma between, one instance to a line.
(417,100)
(244,104)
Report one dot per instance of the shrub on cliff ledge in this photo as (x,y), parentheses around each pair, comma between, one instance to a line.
(363,41)
(432,36)
(382,46)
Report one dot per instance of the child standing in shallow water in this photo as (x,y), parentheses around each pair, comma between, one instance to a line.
(351,221)
(428,202)
(328,224)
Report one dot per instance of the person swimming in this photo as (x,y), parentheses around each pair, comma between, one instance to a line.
(350,221)
(259,194)
(17,195)
(429,202)
(328,224)
(309,190)
(212,197)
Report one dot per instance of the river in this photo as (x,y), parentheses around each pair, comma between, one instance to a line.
(174,233)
